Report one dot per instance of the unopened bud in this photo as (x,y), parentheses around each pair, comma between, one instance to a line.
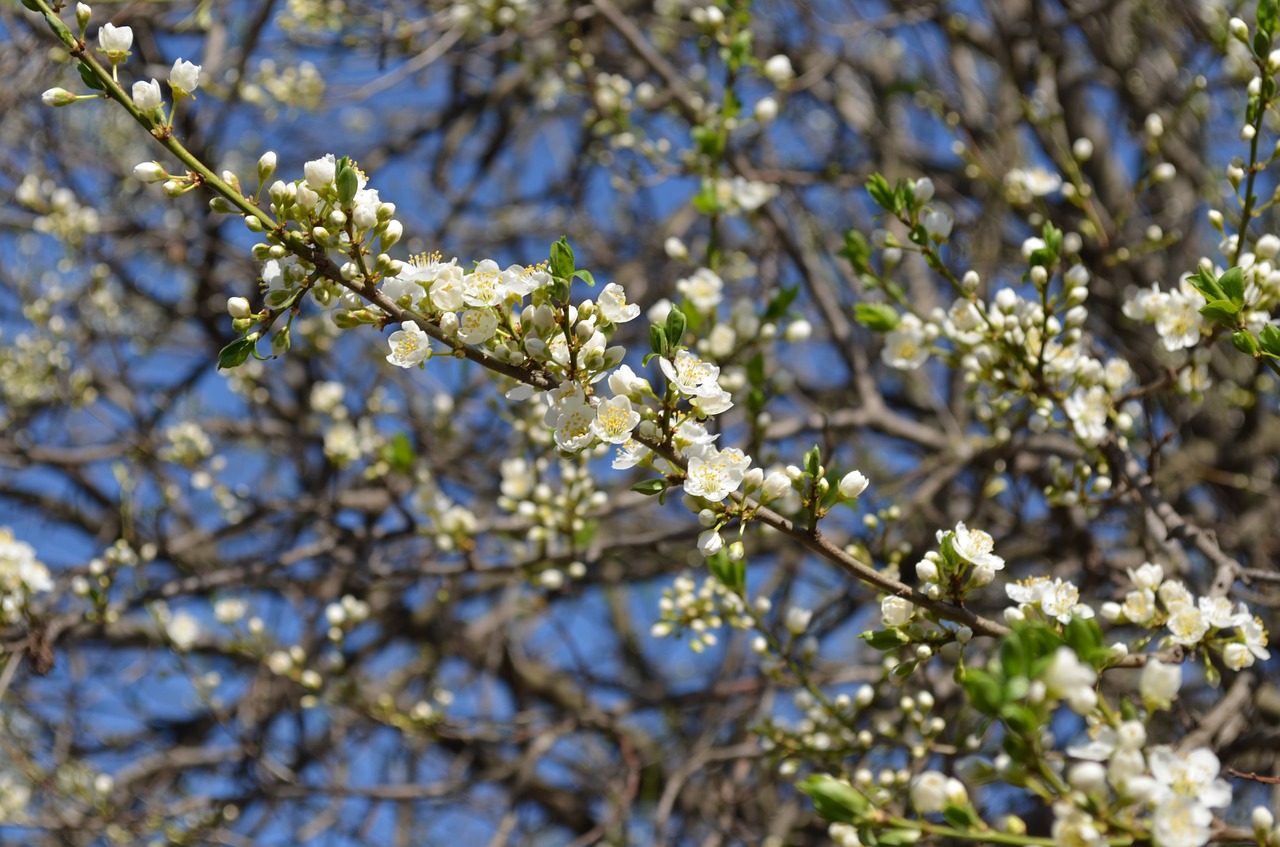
(58,97)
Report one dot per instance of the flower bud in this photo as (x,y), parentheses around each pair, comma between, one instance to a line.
(83,13)
(853,484)
(58,97)
(238,307)
(266,166)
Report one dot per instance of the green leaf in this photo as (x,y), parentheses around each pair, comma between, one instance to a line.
(961,817)
(834,799)
(1044,257)
(1084,636)
(88,77)
(235,354)
(1267,18)
(650,487)
(886,639)
(1207,284)
(1052,238)
(562,259)
(780,303)
(586,277)
(1232,284)
(755,370)
(881,193)
(675,327)
(398,453)
(658,340)
(1019,718)
(1222,312)
(984,690)
(877,317)
(856,250)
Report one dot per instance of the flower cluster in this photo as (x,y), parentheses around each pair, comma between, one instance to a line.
(1155,602)
(21,576)
(687,608)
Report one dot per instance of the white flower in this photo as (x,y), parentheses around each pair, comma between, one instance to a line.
(320,173)
(975,546)
(906,347)
(183,630)
(115,41)
(703,288)
(938,225)
(1255,638)
(483,286)
(1147,575)
(1087,409)
(230,609)
(1187,625)
(710,543)
(615,420)
(1139,606)
(574,426)
(614,306)
(146,96)
(1069,679)
(1160,682)
(1190,773)
(477,326)
(692,375)
(625,381)
(1237,656)
(1074,827)
(184,77)
(1180,323)
(929,792)
(409,345)
(713,474)
(853,484)
(629,455)
(896,611)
